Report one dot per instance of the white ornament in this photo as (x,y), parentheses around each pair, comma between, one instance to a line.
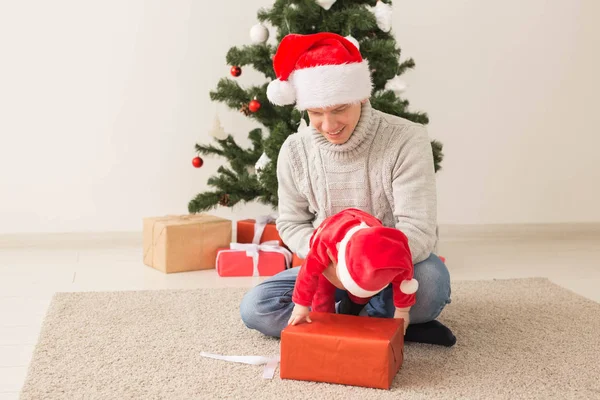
(259,34)
(326,4)
(303,126)
(383,15)
(354,41)
(217,130)
(396,85)
(262,162)
(293,6)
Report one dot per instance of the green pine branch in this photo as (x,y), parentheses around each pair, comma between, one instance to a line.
(387,102)
(279,134)
(382,55)
(205,201)
(230,93)
(240,158)
(438,155)
(208,150)
(268,114)
(259,56)
(287,19)
(237,156)
(269,180)
(406,65)
(247,189)
(355,20)
(225,181)
(256,139)
(365,2)
(236,183)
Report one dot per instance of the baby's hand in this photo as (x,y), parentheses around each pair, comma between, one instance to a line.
(299,315)
(404,314)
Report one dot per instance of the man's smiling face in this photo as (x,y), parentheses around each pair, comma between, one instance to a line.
(335,123)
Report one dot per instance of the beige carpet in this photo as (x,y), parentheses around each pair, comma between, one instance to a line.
(516,339)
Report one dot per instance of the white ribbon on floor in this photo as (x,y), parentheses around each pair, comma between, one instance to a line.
(270,362)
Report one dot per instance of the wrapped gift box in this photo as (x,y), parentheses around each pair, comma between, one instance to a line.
(297,261)
(343,349)
(179,243)
(246,259)
(257,231)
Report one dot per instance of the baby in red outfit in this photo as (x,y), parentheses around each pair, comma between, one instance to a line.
(369,257)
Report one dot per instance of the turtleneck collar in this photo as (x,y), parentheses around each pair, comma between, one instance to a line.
(359,140)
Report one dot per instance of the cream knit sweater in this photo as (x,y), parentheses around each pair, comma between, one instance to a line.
(385,168)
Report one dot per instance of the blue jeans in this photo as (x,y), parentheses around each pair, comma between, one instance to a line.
(268,306)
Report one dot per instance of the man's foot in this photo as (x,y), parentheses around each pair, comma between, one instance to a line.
(348,307)
(432,332)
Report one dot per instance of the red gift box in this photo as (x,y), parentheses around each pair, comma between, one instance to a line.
(246,259)
(260,230)
(297,261)
(343,349)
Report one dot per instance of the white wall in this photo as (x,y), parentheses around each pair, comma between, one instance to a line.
(101,104)
(512,90)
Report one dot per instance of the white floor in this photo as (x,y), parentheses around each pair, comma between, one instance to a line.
(29,276)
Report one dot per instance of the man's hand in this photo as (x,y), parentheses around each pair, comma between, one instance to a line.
(404,314)
(299,315)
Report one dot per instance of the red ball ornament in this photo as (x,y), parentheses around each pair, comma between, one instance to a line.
(197,162)
(236,71)
(254,105)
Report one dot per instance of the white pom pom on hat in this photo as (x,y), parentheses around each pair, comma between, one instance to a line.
(281,93)
(409,286)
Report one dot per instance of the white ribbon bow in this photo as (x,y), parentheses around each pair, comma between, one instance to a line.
(269,370)
(252,250)
(260,225)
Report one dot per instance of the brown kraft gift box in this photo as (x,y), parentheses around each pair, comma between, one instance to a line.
(179,243)
(343,349)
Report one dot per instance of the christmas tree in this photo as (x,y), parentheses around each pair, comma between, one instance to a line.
(251,173)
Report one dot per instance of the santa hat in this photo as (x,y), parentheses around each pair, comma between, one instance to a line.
(369,259)
(319,70)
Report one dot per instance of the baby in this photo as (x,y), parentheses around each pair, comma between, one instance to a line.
(369,257)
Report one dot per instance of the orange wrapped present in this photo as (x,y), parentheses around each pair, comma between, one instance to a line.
(343,349)
(248,259)
(259,230)
(297,261)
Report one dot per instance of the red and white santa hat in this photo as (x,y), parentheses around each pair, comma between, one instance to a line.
(370,258)
(319,70)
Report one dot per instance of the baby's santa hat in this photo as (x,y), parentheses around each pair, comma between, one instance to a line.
(319,70)
(370,258)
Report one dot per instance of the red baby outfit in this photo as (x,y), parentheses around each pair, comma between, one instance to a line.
(369,257)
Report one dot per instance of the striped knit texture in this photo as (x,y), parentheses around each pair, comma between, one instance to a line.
(385,168)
